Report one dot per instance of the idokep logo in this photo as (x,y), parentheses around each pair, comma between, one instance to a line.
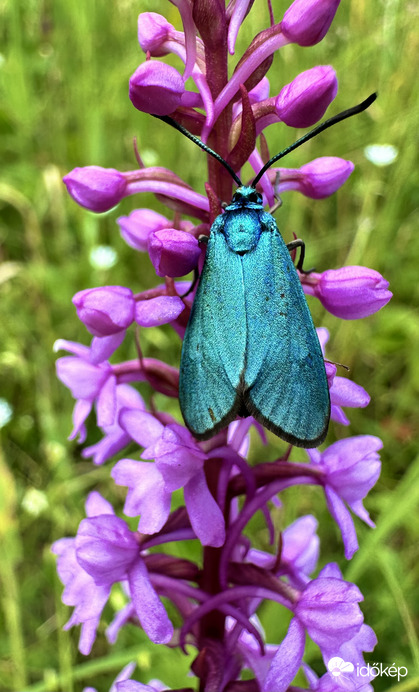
(343,671)
(337,667)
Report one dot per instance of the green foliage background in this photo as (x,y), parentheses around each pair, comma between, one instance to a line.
(64,73)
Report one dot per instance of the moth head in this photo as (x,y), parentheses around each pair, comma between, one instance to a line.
(247,197)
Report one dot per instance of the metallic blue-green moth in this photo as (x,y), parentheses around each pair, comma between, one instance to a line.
(250,346)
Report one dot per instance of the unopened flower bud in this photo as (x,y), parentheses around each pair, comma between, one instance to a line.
(173,253)
(307,22)
(304,101)
(153,31)
(96,188)
(323,176)
(352,292)
(136,227)
(106,310)
(156,88)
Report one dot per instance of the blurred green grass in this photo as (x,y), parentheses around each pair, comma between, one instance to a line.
(64,71)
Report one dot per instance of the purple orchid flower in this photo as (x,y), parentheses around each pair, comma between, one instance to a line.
(179,463)
(328,610)
(104,552)
(351,468)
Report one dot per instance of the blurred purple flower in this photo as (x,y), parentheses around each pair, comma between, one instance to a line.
(300,546)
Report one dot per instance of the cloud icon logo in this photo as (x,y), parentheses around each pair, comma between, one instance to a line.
(337,666)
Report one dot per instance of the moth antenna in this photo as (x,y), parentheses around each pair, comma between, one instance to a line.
(323,126)
(167,119)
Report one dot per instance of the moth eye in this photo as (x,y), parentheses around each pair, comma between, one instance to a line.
(254,197)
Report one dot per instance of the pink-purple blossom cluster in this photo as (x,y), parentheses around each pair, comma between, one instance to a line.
(217,601)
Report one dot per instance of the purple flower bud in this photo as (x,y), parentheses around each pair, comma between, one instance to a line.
(153,31)
(160,310)
(325,175)
(106,310)
(304,101)
(173,253)
(307,22)
(136,227)
(344,392)
(96,188)
(156,88)
(352,292)
(318,179)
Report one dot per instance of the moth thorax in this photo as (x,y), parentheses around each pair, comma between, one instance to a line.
(242,229)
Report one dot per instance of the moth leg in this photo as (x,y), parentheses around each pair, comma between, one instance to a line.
(193,284)
(292,246)
(340,365)
(278,202)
